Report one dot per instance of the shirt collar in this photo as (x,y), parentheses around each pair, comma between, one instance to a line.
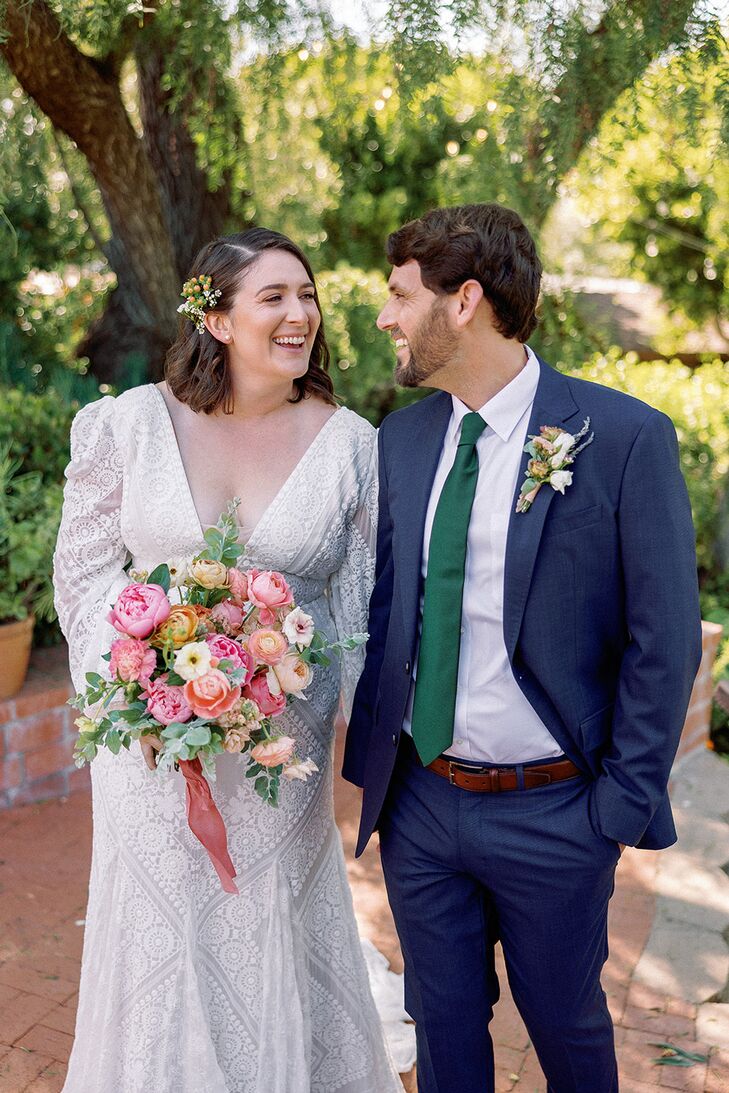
(505,410)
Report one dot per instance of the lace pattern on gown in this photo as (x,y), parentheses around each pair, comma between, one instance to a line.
(183,987)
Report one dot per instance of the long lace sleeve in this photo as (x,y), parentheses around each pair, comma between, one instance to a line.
(90,554)
(351,587)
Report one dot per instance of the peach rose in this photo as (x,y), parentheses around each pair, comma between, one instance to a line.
(211,694)
(293,674)
(274,753)
(179,628)
(268,589)
(267,646)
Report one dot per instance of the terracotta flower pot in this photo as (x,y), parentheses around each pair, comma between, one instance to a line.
(15,642)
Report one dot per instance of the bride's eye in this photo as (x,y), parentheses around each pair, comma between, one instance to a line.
(308,296)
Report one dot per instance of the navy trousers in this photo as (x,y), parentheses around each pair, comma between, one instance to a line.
(527,867)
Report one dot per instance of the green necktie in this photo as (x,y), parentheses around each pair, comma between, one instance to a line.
(434,705)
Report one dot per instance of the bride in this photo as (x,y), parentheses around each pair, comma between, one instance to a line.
(185,989)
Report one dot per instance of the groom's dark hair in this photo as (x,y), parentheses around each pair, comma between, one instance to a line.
(484,243)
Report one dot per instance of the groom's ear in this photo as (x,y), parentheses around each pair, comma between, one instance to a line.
(467,301)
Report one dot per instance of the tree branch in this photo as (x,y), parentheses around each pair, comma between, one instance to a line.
(87,106)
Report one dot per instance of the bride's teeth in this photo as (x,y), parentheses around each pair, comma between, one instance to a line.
(289,341)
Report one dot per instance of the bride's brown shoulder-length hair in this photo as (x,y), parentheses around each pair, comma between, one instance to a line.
(196,366)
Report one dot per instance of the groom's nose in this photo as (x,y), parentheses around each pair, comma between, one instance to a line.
(383,322)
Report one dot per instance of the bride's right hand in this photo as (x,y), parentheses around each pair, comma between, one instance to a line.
(150,745)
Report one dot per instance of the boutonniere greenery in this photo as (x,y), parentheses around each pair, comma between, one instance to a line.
(551,451)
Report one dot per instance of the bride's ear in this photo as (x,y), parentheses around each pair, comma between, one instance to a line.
(218,324)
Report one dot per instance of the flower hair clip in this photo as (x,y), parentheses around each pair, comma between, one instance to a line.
(199,296)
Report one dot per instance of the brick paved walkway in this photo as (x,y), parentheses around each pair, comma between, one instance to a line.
(43,877)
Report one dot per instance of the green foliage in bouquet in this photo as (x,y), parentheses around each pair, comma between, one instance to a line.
(29,517)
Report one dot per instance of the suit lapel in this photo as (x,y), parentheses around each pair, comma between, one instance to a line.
(422,454)
(553,405)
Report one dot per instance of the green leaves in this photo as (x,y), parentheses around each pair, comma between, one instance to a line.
(672,1055)
(160,576)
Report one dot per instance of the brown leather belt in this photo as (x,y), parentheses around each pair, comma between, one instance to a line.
(503,779)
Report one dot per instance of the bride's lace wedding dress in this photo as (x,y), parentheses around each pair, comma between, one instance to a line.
(185,989)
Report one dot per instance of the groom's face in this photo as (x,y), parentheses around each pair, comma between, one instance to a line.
(418,321)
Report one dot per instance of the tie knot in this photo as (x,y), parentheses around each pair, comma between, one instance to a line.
(471,428)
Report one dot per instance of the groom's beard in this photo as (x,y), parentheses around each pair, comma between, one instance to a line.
(432,347)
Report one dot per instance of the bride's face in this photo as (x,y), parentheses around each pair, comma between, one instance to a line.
(271,326)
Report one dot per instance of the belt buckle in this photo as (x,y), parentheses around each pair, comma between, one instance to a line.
(495,779)
(451,773)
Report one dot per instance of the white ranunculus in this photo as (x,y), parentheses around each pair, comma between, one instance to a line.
(560,479)
(298,627)
(193,660)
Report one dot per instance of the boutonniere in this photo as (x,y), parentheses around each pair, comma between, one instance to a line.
(551,451)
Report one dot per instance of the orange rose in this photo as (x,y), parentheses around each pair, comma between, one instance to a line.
(179,627)
(211,694)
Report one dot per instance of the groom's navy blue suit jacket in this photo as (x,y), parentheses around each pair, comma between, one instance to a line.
(601,612)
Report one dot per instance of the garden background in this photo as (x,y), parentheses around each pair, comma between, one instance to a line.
(133,131)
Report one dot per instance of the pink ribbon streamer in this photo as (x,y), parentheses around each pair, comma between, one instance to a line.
(206,823)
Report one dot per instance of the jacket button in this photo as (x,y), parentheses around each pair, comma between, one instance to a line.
(394,739)
(407,665)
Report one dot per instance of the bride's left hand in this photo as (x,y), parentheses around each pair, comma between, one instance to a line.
(150,745)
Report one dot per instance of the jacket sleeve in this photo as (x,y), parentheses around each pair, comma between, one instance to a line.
(365,699)
(664,650)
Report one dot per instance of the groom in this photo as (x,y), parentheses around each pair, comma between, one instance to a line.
(534,636)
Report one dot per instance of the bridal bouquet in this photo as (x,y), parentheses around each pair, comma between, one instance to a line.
(208,657)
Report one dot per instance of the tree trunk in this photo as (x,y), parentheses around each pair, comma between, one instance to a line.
(193,214)
(85,103)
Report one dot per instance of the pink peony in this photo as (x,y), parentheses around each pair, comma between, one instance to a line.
(274,752)
(228,616)
(166,703)
(139,609)
(268,589)
(132,661)
(269,704)
(267,646)
(238,584)
(225,648)
(211,694)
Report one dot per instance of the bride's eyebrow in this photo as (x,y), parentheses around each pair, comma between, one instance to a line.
(267,288)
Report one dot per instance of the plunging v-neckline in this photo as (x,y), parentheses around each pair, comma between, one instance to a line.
(185,483)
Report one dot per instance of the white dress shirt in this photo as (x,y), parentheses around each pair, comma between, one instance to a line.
(494,722)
